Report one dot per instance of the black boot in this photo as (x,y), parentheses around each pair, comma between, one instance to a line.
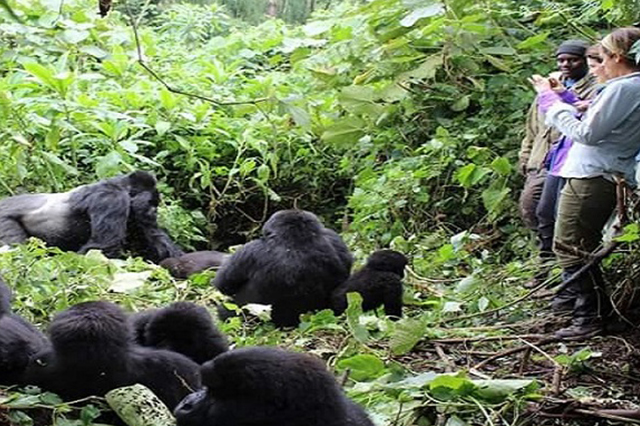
(564,300)
(545,261)
(591,306)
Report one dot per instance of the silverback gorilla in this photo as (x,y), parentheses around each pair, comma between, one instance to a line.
(379,283)
(92,352)
(110,215)
(182,327)
(19,340)
(264,386)
(294,267)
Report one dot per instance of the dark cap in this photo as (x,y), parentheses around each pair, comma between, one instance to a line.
(573,47)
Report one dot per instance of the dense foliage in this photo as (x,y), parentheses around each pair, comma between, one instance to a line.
(397,121)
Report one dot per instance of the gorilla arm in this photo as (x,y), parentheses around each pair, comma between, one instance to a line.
(146,238)
(108,209)
(233,275)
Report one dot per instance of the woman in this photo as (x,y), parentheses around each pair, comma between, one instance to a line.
(605,143)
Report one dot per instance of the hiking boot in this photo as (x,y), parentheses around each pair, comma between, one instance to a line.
(579,331)
(563,305)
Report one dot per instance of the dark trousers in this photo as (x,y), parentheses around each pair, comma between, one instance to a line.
(530,196)
(547,210)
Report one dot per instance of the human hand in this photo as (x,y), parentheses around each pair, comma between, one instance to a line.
(540,83)
(582,106)
(555,85)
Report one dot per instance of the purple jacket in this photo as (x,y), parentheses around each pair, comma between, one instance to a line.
(557,154)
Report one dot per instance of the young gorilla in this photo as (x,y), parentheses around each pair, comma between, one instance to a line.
(181,327)
(92,352)
(294,267)
(109,215)
(264,386)
(191,263)
(19,340)
(379,283)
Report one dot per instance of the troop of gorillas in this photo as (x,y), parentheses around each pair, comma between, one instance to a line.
(296,266)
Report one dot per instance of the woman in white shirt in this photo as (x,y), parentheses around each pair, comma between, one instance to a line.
(605,144)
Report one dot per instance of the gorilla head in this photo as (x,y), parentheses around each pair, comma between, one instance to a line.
(110,215)
(294,267)
(266,385)
(92,352)
(379,283)
(181,327)
(387,261)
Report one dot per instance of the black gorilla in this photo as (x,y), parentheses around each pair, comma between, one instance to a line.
(93,352)
(379,283)
(110,215)
(181,327)
(264,386)
(192,263)
(294,267)
(19,340)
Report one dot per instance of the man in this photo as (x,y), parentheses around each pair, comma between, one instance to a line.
(572,65)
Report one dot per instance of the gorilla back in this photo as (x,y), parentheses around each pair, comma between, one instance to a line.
(267,386)
(294,267)
(100,216)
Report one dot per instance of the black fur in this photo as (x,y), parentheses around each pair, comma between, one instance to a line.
(93,352)
(265,386)
(294,267)
(19,340)
(110,215)
(379,283)
(192,263)
(181,327)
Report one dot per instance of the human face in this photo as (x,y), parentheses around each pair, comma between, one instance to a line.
(596,69)
(613,66)
(571,66)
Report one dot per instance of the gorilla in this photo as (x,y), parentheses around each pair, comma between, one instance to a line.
(92,352)
(110,215)
(181,327)
(19,340)
(379,283)
(294,267)
(191,263)
(264,386)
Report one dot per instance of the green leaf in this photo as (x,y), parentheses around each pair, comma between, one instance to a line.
(533,41)
(363,367)
(162,127)
(108,165)
(497,391)
(449,387)
(426,70)
(499,50)
(420,13)
(493,200)
(72,36)
(345,133)
(461,104)
(471,174)
(299,115)
(55,160)
(407,333)
(353,312)
(501,166)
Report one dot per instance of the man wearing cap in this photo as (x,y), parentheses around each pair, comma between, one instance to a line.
(572,65)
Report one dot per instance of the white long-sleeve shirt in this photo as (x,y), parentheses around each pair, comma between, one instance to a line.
(607,139)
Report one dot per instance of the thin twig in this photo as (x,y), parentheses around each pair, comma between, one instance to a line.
(511,352)
(489,338)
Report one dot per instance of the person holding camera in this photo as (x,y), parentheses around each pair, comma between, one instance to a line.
(605,144)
